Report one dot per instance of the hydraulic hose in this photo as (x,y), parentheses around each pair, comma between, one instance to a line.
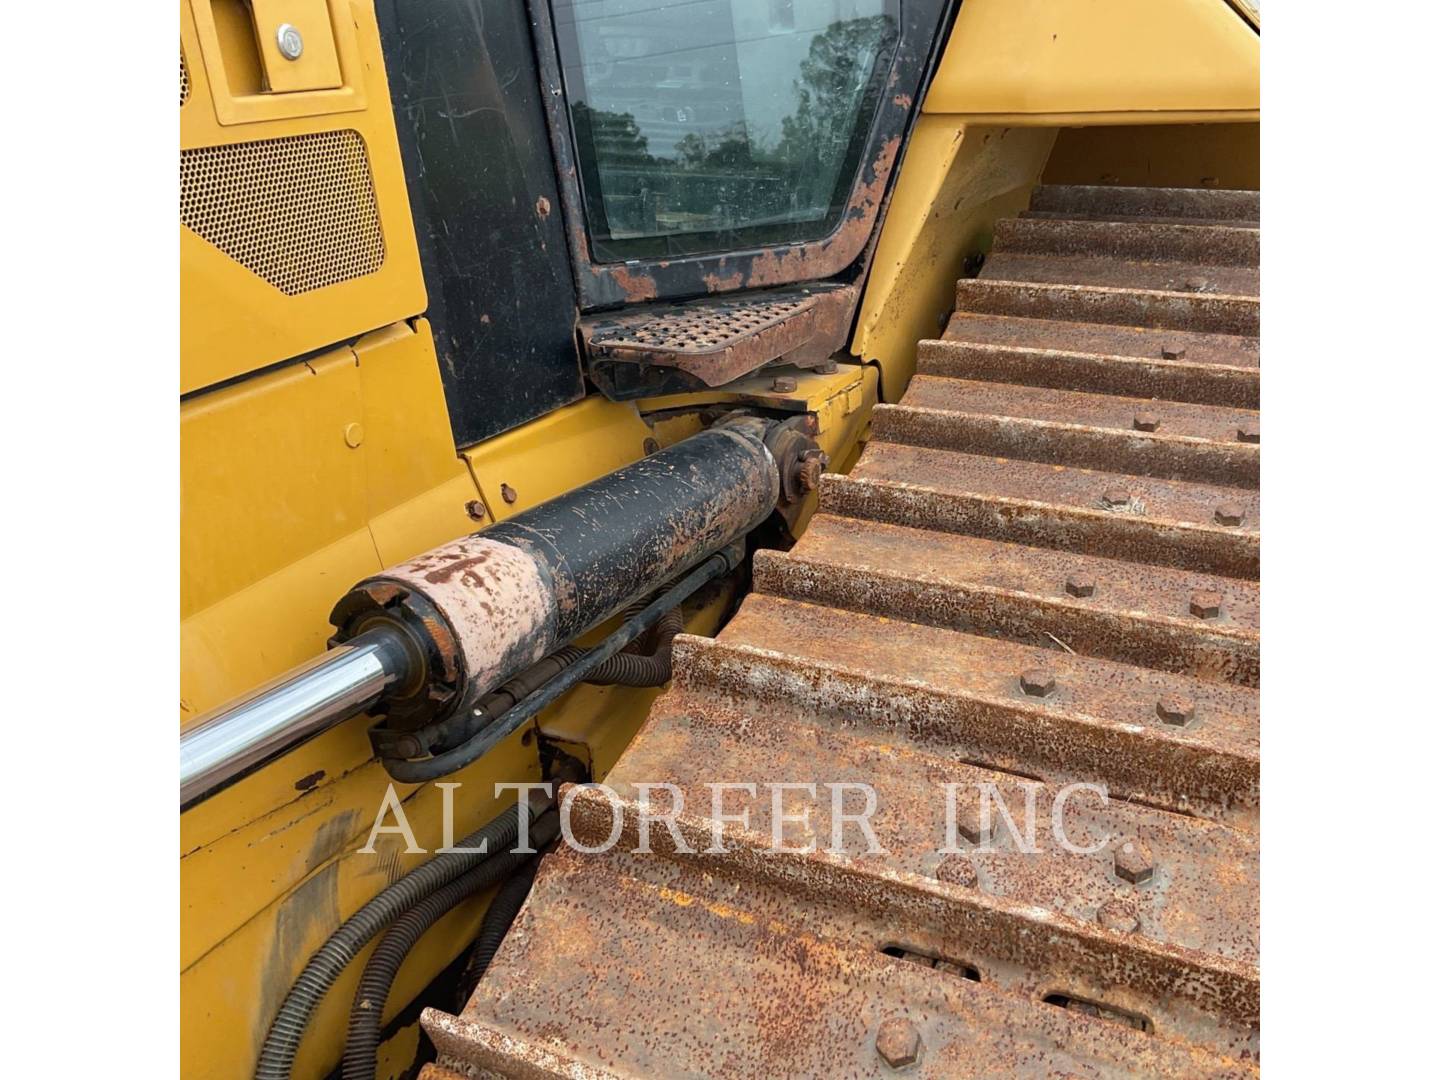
(639,669)
(629,668)
(499,917)
(457,757)
(622,669)
(367,1014)
(277,1054)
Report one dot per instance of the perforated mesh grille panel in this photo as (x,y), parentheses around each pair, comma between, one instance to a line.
(184,81)
(299,212)
(701,328)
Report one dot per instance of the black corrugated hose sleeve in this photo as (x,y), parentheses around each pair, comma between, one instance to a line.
(363,1038)
(498,919)
(634,669)
(277,1054)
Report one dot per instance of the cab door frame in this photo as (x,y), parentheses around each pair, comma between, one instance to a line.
(603,285)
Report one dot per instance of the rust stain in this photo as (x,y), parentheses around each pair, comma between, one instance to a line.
(637,285)
(818,260)
(716,283)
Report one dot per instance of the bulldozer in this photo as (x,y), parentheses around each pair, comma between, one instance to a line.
(719,538)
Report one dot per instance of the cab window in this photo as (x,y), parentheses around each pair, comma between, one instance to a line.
(714,125)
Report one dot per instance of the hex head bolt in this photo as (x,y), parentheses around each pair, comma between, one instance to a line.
(1118,914)
(1114,498)
(1205,604)
(1172,352)
(958,870)
(784,384)
(898,1042)
(808,470)
(1133,862)
(1230,514)
(1080,585)
(1146,421)
(807,475)
(1175,709)
(968,825)
(1038,682)
(1249,431)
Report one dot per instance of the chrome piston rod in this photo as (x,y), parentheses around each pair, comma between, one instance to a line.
(240,736)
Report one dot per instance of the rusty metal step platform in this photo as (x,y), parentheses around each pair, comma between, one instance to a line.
(697,344)
(1042,573)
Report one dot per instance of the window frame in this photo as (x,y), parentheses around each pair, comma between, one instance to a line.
(611,284)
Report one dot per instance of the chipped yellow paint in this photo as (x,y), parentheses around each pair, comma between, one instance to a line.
(232,986)
(270,866)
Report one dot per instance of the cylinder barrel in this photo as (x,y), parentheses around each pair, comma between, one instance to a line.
(489,605)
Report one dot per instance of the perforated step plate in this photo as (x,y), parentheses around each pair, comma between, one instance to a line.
(670,348)
(1042,572)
